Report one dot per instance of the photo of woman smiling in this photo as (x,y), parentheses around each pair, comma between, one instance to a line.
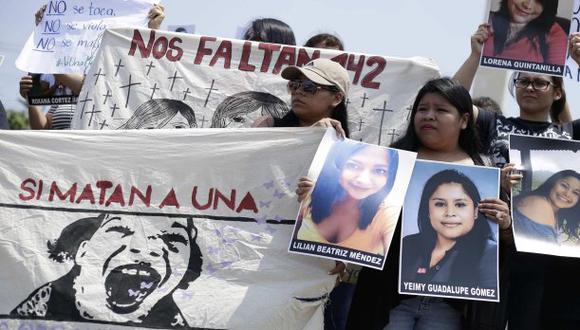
(455,245)
(347,206)
(550,213)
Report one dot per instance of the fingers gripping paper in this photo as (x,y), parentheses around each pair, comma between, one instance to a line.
(163,229)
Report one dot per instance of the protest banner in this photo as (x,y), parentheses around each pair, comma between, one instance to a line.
(156,228)
(449,248)
(69,34)
(545,208)
(217,82)
(572,70)
(540,45)
(353,208)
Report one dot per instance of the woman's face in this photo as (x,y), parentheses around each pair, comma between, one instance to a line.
(452,212)
(310,108)
(524,11)
(178,121)
(565,193)
(533,101)
(365,173)
(438,123)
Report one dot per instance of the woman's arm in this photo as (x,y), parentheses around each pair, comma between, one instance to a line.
(574,47)
(466,72)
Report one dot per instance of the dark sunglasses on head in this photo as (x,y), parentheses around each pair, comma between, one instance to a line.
(537,84)
(308,86)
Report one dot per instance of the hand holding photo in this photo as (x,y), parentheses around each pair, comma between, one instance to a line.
(352,210)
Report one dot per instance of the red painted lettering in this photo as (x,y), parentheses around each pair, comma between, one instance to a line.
(381,63)
(145,198)
(25,186)
(247,203)
(268,49)
(55,190)
(170,200)
(287,57)
(196,204)
(244,62)
(202,50)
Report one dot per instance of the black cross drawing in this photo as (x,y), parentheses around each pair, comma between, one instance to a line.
(364,98)
(203,121)
(153,90)
(185,92)
(118,66)
(128,86)
(347,102)
(103,124)
(107,96)
(92,113)
(149,66)
(409,111)
(383,110)
(98,75)
(393,134)
(84,102)
(360,124)
(113,109)
(175,77)
(209,93)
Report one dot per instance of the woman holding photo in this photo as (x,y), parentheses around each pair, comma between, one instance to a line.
(347,206)
(537,294)
(527,30)
(441,128)
(455,244)
(551,212)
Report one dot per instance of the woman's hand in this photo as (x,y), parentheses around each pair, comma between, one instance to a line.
(498,210)
(305,184)
(339,268)
(156,16)
(25,86)
(329,122)
(574,49)
(39,15)
(508,178)
(479,38)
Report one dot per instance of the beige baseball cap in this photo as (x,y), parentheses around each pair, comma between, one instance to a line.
(321,71)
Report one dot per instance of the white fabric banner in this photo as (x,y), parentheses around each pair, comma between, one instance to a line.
(158,228)
(142,78)
(69,35)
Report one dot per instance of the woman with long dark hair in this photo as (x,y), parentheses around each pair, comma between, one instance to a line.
(455,244)
(527,30)
(347,206)
(441,128)
(550,213)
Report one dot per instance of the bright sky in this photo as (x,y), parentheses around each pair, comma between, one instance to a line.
(406,28)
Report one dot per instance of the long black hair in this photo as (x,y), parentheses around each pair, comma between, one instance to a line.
(471,246)
(270,30)
(159,112)
(459,97)
(568,220)
(535,29)
(328,189)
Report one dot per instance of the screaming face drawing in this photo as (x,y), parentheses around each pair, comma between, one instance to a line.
(126,269)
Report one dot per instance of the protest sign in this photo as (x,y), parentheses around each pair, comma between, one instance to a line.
(353,208)
(572,70)
(545,207)
(69,35)
(46,89)
(541,43)
(156,228)
(218,82)
(448,248)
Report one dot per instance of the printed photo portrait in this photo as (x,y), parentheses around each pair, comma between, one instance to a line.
(448,247)
(125,269)
(47,90)
(355,203)
(546,208)
(528,35)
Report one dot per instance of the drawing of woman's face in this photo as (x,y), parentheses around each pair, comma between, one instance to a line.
(129,264)
(565,193)
(524,11)
(452,212)
(365,173)
(178,121)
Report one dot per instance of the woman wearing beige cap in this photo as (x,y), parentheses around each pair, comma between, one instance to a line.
(318,92)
